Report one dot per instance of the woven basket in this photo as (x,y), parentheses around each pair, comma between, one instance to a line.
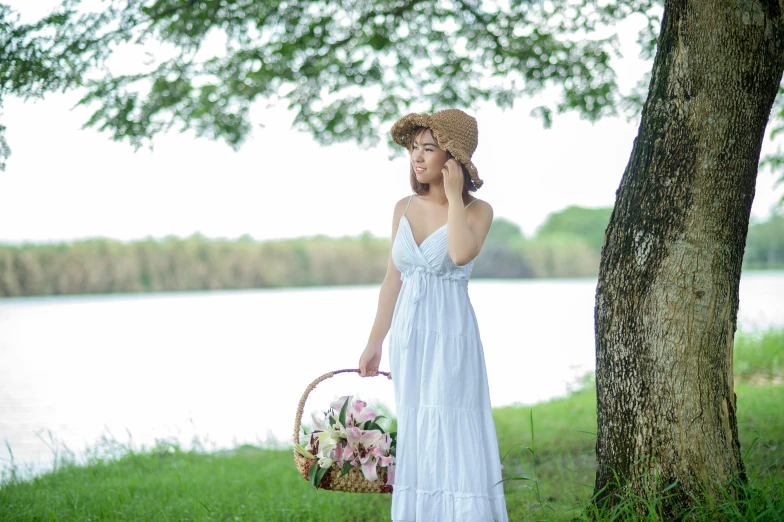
(354,480)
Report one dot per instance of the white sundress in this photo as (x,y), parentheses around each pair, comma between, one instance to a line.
(447,451)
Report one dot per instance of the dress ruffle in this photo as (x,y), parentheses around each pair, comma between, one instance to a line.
(452,458)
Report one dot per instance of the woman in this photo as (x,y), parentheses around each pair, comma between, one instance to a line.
(447,462)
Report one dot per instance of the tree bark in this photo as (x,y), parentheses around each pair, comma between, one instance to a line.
(667,297)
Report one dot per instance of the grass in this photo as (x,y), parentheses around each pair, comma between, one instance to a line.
(563,460)
(261,484)
(169,484)
(759,355)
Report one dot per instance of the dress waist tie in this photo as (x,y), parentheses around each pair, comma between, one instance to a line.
(418,280)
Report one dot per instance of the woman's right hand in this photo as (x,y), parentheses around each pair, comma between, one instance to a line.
(370,360)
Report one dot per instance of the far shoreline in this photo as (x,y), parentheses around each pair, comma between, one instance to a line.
(753,273)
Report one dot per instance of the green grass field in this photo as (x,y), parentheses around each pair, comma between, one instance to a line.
(257,484)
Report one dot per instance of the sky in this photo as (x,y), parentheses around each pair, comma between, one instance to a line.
(63,183)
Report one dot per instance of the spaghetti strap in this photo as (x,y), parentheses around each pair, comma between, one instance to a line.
(470,203)
(409,202)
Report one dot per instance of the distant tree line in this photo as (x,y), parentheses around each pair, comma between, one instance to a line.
(765,244)
(568,244)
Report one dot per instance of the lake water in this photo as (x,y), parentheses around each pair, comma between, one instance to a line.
(225,368)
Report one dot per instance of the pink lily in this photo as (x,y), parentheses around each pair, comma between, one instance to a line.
(362,443)
(358,405)
(362,412)
(348,453)
(369,466)
(366,438)
(384,442)
(338,404)
(390,475)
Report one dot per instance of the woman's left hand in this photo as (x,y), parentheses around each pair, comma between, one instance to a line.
(453,179)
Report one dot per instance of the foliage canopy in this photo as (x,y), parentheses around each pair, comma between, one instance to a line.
(345,67)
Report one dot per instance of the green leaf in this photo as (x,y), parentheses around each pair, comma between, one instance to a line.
(545,114)
(312,473)
(346,468)
(514,478)
(535,490)
(510,449)
(302,451)
(342,417)
(374,425)
(378,42)
(320,474)
(533,445)
(670,486)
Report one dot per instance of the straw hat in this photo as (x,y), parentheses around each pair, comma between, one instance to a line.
(455,131)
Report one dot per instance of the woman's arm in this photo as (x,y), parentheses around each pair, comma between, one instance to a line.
(465,234)
(390,289)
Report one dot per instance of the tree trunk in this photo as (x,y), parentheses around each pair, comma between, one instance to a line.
(667,298)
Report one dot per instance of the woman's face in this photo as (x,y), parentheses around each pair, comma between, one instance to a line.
(427,159)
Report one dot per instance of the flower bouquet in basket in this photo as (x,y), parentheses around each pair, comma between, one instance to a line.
(347,450)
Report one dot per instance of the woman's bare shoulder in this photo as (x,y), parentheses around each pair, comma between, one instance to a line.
(402,202)
(401,205)
(481,206)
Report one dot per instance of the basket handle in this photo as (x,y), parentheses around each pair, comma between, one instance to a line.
(312,385)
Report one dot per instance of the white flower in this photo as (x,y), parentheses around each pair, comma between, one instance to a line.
(318,422)
(338,429)
(327,442)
